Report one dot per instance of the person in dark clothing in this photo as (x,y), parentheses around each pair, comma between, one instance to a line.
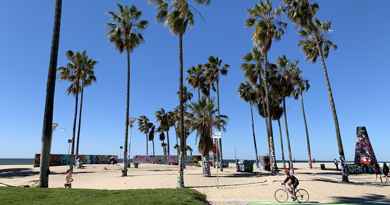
(336,163)
(385,170)
(292,183)
(377,170)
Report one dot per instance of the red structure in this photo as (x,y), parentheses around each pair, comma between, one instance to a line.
(364,153)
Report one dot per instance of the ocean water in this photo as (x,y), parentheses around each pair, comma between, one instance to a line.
(15,161)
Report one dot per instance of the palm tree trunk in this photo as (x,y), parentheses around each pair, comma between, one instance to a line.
(220,154)
(74,131)
(290,164)
(125,160)
(281,144)
(79,126)
(180,181)
(254,137)
(263,106)
(168,145)
(307,133)
(335,118)
(154,154)
(147,145)
(49,101)
(274,166)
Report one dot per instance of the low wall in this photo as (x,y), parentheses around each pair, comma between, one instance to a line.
(160,159)
(63,159)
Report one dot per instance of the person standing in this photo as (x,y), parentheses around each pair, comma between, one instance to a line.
(385,170)
(336,163)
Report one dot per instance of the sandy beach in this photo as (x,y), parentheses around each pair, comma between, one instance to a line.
(229,186)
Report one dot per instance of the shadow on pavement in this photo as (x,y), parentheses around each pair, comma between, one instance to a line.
(367,199)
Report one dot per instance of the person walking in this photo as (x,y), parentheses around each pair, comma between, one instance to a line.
(385,170)
(377,170)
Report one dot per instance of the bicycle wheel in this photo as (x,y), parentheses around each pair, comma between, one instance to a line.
(281,195)
(302,195)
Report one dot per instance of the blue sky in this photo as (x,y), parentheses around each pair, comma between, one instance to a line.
(358,70)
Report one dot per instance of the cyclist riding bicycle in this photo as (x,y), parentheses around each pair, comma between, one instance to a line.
(292,183)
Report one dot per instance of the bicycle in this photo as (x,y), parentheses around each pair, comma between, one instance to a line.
(281,195)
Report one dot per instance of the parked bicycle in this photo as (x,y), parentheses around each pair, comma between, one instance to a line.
(282,195)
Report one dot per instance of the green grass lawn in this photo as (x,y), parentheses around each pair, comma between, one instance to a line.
(35,196)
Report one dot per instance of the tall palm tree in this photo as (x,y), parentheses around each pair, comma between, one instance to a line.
(281,144)
(144,126)
(247,93)
(254,72)
(316,44)
(268,27)
(151,135)
(88,77)
(303,86)
(178,16)
(49,102)
(74,72)
(205,118)
(286,82)
(125,32)
(214,69)
(165,123)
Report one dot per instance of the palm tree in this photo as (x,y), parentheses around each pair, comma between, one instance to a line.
(74,72)
(196,78)
(254,72)
(268,27)
(247,93)
(162,139)
(281,144)
(165,123)
(144,126)
(204,119)
(286,81)
(49,102)
(214,69)
(125,32)
(303,86)
(88,77)
(178,16)
(151,135)
(315,44)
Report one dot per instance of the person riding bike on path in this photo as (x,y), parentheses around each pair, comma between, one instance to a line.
(292,183)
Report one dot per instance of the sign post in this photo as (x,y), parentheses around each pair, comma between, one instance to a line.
(216,137)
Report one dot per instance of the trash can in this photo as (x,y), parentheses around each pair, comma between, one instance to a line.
(135,164)
(322,166)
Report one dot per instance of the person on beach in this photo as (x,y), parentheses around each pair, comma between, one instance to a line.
(377,170)
(385,170)
(336,163)
(292,183)
(68,179)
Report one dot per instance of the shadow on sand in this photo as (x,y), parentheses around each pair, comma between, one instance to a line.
(227,185)
(17,172)
(25,172)
(376,184)
(369,199)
